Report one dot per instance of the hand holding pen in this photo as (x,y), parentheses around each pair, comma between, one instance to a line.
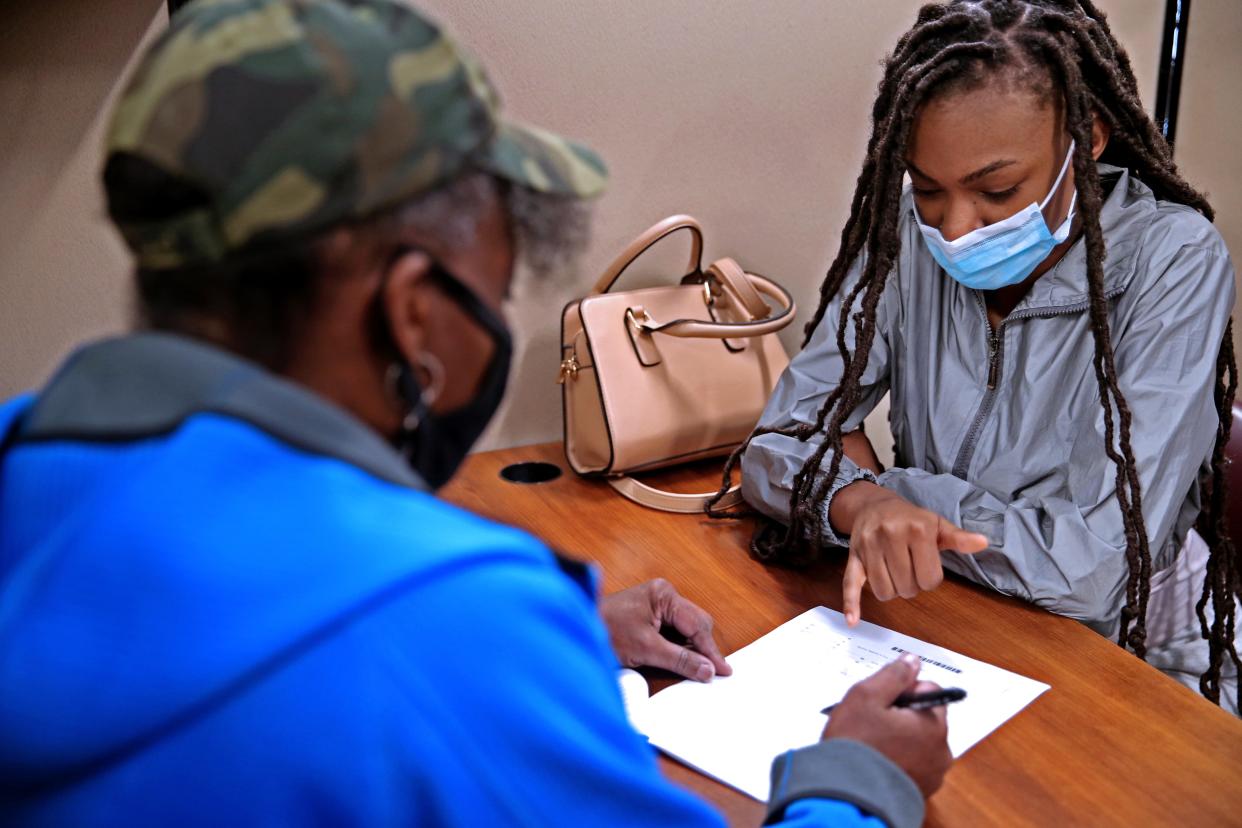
(920,701)
(914,740)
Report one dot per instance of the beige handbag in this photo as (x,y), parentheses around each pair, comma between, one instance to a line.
(665,375)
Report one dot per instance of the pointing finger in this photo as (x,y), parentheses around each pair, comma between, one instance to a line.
(851,588)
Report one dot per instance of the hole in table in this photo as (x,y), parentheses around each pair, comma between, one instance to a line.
(530,472)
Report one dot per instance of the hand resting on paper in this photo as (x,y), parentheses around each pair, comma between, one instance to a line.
(894,545)
(914,740)
(634,617)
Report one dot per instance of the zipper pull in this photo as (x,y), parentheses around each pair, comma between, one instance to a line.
(569,369)
(993,361)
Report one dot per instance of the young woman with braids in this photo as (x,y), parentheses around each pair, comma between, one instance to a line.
(1047,303)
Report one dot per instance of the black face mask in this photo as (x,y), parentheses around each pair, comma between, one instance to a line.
(436,444)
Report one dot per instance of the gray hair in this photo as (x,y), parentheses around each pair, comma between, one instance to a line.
(549,231)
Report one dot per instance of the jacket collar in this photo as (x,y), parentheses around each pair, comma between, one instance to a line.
(147,384)
(1128,209)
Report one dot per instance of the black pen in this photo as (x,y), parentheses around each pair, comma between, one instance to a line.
(921,701)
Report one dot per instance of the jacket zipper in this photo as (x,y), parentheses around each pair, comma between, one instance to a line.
(994,348)
(996,356)
(996,339)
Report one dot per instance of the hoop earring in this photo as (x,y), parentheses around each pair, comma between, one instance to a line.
(404,390)
(407,389)
(434,369)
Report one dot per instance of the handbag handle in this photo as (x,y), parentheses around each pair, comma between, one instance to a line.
(645,241)
(642,322)
(684,504)
(733,279)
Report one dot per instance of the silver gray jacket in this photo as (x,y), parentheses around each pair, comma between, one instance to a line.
(1020,458)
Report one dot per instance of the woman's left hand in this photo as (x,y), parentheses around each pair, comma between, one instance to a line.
(634,617)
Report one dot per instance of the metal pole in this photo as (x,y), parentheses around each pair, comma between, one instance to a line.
(173,5)
(1172,59)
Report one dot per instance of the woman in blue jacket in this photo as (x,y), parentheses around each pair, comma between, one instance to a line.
(228,593)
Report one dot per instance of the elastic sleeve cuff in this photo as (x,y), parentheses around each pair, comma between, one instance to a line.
(844,478)
(848,771)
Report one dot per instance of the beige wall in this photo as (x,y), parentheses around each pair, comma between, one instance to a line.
(62,270)
(750,115)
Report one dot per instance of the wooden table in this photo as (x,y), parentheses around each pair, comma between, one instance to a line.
(1114,742)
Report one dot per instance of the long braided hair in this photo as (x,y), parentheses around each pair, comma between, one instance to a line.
(1066,44)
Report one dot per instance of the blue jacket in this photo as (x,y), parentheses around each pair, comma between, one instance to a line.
(225,601)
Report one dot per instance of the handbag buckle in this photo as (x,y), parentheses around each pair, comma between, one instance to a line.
(639,320)
(710,294)
(640,327)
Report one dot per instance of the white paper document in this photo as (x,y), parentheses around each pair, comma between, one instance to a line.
(732,728)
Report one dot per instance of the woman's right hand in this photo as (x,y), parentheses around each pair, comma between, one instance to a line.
(894,545)
(914,740)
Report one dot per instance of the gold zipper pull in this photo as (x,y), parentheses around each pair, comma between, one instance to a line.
(569,369)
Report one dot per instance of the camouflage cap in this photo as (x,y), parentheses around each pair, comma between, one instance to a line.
(293,115)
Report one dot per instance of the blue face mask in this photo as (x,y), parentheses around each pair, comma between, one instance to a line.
(1003,253)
